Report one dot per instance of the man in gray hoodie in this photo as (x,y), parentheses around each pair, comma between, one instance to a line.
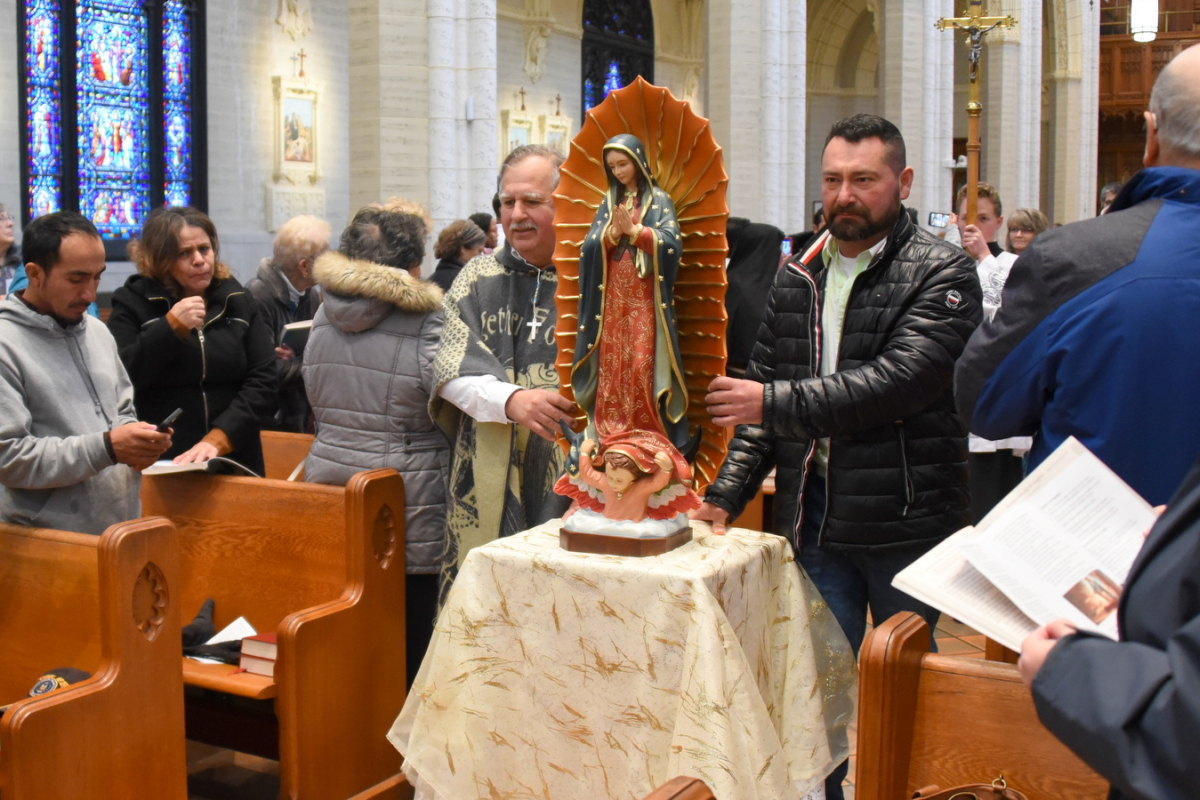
(70,443)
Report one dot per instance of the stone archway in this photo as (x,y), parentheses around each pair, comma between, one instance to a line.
(843,72)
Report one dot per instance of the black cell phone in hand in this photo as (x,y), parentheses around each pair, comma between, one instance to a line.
(166,424)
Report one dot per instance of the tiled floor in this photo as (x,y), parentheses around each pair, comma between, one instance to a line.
(215,774)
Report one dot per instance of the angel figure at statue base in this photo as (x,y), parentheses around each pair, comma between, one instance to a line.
(637,486)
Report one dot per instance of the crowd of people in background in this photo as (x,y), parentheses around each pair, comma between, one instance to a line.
(898,382)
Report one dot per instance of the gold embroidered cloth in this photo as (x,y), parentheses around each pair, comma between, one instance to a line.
(562,675)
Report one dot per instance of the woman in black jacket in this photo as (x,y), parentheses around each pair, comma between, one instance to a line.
(192,338)
(458,243)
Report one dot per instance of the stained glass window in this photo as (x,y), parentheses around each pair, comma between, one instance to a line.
(177,104)
(113,116)
(96,73)
(618,45)
(43,100)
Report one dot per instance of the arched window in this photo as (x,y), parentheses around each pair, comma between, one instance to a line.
(110,92)
(618,45)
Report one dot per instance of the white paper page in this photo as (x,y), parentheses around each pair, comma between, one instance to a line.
(944,579)
(1062,543)
(235,631)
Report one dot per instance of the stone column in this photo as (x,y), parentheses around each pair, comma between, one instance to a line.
(389,100)
(10,127)
(1076,111)
(462,84)
(917,94)
(1012,102)
(756,99)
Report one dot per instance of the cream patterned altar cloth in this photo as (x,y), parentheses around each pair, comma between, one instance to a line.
(557,675)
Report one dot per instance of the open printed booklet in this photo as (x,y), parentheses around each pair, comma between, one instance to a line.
(216,464)
(1060,545)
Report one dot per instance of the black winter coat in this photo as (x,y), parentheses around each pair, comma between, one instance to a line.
(222,377)
(898,451)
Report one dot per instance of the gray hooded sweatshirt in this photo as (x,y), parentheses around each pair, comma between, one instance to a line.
(60,390)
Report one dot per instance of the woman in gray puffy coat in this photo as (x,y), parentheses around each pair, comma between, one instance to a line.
(368,371)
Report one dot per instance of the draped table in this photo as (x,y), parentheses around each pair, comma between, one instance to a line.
(562,675)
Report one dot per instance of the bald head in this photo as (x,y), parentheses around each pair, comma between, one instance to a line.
(297,244)
(1173,121)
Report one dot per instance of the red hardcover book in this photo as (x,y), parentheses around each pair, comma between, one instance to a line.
(258,666)
(260,646)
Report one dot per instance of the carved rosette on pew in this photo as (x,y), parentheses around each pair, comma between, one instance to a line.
(683,204)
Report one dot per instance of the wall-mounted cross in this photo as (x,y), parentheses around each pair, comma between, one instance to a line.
(302,56)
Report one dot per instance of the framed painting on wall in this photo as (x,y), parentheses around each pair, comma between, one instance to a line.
(556,132)
(516,129)
(297,131)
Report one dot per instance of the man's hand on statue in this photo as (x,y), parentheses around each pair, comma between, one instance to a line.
(735,402)
(539,410)
(974,243)
(711,513)
(1037,647)
(138,444)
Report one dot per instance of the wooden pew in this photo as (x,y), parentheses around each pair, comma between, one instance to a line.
(926,719)
(323,567)
(107,605)
(283,452)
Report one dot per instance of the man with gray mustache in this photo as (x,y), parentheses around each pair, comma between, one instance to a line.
(497,392)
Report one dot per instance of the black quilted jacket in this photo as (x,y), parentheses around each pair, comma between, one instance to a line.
(898,451)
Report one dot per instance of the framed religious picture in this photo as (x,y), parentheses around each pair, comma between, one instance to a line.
(297,131)
(516,129)
(556,132)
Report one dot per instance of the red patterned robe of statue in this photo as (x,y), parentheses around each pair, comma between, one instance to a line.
(627,339)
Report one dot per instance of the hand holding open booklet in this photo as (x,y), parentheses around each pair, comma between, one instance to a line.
(1059,545)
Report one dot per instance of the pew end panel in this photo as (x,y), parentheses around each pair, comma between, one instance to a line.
(283,452)
(49,617)
(926,719)
(259,548)
(345,660)
(120,733)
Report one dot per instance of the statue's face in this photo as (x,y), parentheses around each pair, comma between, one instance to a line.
(619,479)
(623,168)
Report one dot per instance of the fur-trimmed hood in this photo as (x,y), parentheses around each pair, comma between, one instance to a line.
(361,294)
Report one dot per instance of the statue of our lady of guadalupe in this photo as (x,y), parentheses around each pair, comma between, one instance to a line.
(627,373)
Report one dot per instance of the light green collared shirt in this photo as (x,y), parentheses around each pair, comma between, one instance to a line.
(839,280)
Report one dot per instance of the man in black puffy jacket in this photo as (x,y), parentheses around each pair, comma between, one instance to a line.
(848,391)
(851,393)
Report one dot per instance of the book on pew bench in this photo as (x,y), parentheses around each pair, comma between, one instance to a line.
(295,336)
(258,666)
(217,465)
(261,645)
(1060,545)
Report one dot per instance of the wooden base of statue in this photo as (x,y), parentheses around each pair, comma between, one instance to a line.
(576,542)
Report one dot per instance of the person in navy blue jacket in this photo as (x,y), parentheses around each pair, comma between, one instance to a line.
(1097,336)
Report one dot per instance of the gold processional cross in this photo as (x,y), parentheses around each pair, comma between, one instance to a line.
(976,26)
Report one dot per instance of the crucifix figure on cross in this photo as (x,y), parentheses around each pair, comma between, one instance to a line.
(976,25)
(302,55)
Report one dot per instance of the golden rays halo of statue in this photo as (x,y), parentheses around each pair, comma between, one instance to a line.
(687,164)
